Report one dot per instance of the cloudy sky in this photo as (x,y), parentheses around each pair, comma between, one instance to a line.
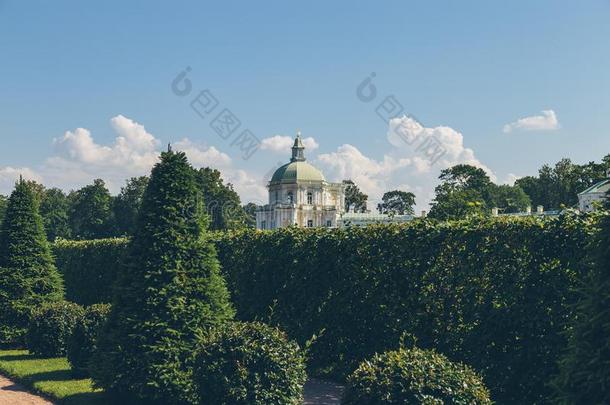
(387,95)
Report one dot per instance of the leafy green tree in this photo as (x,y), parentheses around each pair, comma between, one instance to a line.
(54,209)
(28,277)
(126,206)
(169,296)
(91,212)
(464,191)
(509,199)
(397,202)
(585,368)
(222,202)
(250,210)
(558,186)
(354,198)
(458,204)
(467,190)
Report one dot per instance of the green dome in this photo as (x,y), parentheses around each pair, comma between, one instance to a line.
(297,171)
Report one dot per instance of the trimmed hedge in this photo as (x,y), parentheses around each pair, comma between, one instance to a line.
(249,364)
(414,376)
(493,293)
(90,268)
(82,341)
(51,326)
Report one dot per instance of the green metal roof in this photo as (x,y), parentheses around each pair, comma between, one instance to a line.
(297,171)
(601,187)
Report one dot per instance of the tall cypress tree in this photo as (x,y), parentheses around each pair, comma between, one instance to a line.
(170,294)
(28,276)
(585,369)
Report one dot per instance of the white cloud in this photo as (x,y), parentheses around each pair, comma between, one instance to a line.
(409,166)
(282,144)
(203,156)
(78,158)
(546,121)
(510,179)
(10,175)
(251,188)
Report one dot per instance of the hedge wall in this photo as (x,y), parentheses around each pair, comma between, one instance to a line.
(89,268)
(492,293)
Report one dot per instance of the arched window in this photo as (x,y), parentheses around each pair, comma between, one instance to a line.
(290,197)
(309,197)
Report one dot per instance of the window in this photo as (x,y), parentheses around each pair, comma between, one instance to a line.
(290,198)
(310,223)
(329,223)
(276,196)
(309,197)
(263,224)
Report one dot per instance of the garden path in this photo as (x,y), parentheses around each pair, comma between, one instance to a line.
(319,392)
(316,393)
(14,394)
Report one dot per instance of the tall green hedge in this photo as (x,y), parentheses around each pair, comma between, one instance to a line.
(90,268)
(493,293)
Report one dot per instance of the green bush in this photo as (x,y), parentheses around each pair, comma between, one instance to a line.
(170,293)
(51,326)
(28,277)
(414,376)
(82,342)
(584,376)
(494,293)
(90,268)
(249,364)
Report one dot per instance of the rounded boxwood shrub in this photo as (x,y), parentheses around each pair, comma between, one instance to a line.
(249,363)
(414,376)
(82,341)
(50,327)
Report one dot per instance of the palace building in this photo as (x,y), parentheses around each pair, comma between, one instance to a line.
(300,195)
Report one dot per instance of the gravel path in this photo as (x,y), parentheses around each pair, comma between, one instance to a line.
(13,394)
(316,393)
(322,393)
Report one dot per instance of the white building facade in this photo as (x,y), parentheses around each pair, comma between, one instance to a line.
(300,195)
(595,195)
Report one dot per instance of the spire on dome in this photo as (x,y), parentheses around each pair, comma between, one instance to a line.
(298,149)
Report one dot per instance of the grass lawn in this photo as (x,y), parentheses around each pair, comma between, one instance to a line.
(50,377)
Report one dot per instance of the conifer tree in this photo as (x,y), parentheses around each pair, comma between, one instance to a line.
(585,369)
(169,296)
(28,277)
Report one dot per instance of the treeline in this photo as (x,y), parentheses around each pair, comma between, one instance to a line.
(465,191)
(494,293)
(93,213)
(558,186)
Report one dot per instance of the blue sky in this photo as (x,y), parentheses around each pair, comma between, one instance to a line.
(464,69)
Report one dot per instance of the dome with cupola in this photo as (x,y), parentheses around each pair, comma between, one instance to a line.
(300,195)
(297,169)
